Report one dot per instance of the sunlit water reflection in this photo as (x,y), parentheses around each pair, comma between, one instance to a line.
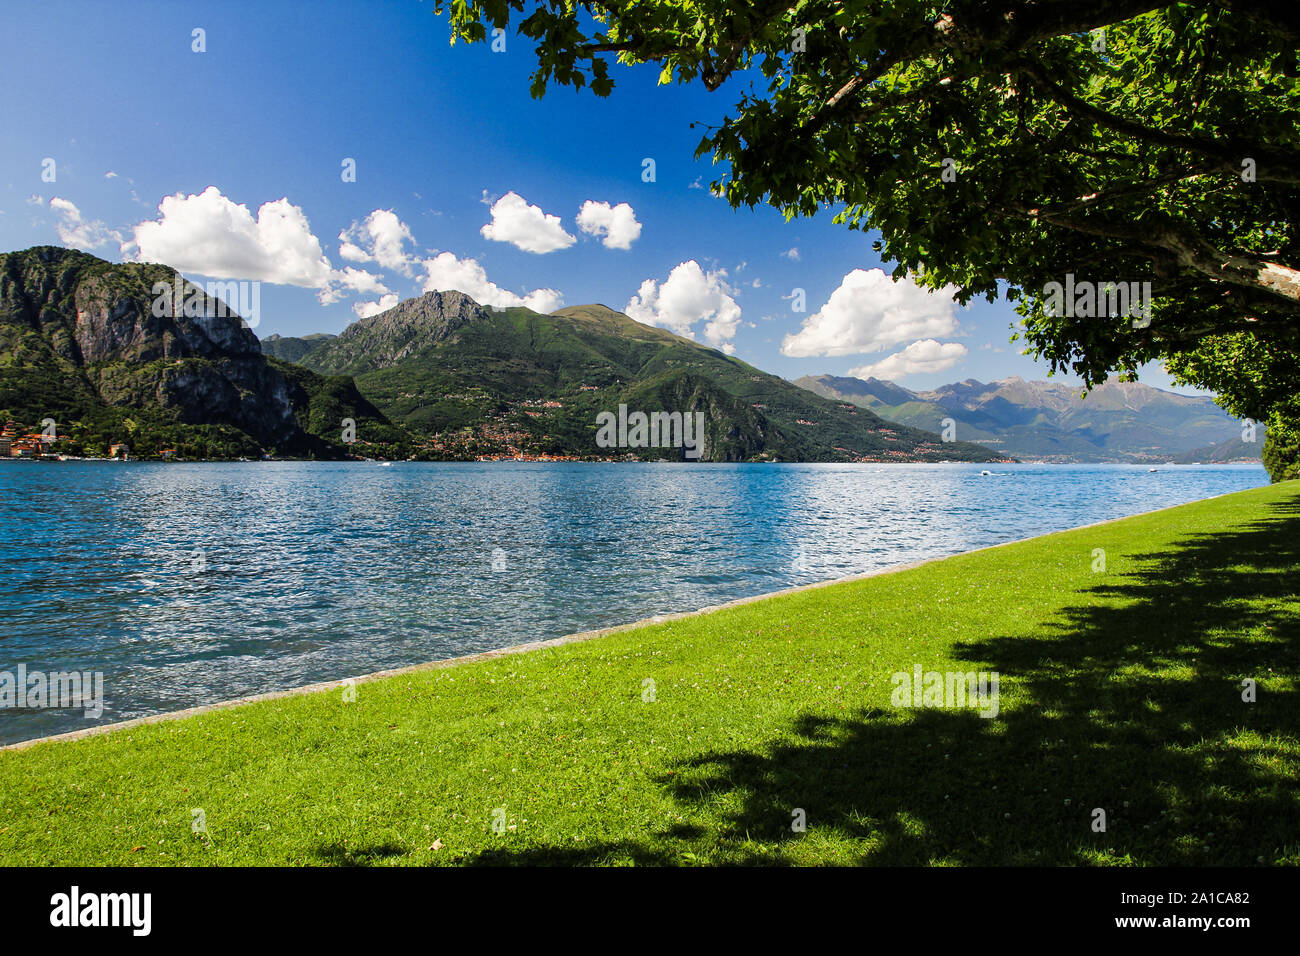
(193,583)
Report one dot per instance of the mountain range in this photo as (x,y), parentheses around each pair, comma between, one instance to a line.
(1048,421)
(481,381)
(83,342)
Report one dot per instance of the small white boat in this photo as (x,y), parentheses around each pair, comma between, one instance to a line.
(985,473)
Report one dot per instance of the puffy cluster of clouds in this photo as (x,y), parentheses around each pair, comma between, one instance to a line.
(380,238)
(360,281)
(927,355)
(212,235)
(525,226)
(445,272)
(528,227)
(616,226)
(869,312)
(383,239)
(688,296)
(364,310)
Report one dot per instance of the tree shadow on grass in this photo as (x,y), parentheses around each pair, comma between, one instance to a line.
(336,854)
(1133,706)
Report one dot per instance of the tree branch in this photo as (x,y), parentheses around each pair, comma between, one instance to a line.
(1191,251)
(1271,165)
(1137,188)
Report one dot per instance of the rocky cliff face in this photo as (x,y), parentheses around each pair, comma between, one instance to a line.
(116,321)
(389,338)
(94,325)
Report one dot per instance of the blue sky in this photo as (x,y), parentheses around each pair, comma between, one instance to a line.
(285,92)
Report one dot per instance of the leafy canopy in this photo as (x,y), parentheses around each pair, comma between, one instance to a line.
(1113,140)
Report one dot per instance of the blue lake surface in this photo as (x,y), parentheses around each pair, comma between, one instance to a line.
(194,583)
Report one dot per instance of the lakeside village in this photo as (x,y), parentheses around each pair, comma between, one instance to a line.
(17,444)
(512,444)
(465,444)
(501,438)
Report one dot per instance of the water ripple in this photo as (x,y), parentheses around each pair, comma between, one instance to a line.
(192,583)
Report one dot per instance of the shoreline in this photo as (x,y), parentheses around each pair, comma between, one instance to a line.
(619,461)
(574,638)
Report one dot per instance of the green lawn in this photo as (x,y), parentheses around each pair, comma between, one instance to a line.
(1120,690)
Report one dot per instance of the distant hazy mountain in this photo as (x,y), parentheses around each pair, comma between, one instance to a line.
(1047,421)
(1233,449)
(484,381)
(291,348)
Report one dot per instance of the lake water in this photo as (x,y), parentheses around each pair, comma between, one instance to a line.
(193,583)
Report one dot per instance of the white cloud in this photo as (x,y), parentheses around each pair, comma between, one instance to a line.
(35,200)
(79,233)
(924,356)
(544,301)
(214,236)
(446,272)
(689,295)
(364,310)
(617,224)
(380,239)
(361,281)
(870,312)
(110,175)
(792,253)
(525,227)
(349,250)
(347,279)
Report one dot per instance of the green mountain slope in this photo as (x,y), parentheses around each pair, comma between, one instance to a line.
(492,381)
(291,348)
(324,405)
(1116,422)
